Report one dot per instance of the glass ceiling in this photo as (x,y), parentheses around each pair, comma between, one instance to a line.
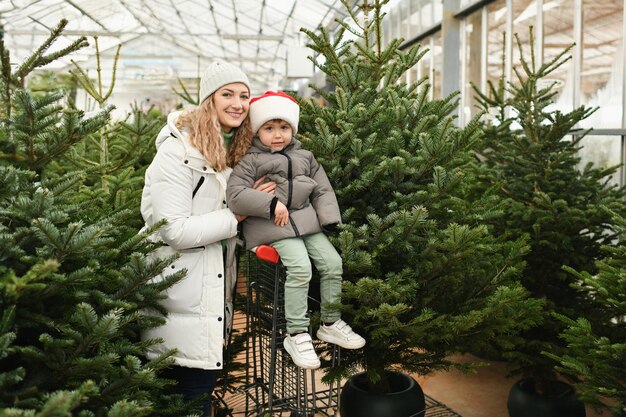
(163,40)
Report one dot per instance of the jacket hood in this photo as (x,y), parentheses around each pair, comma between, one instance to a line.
(258,147)
(169,129)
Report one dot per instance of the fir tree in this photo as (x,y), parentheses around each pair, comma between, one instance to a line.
(74,276)
(132,149)
(595,354)
(423,278)
(107,151)
(529,158)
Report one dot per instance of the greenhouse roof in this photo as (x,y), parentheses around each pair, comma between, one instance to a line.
(165,40)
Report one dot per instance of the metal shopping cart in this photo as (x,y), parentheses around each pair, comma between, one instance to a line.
(273,385)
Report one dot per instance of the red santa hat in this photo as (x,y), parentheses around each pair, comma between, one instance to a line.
(274,105)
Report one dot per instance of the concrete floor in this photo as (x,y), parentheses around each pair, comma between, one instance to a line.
(481,394)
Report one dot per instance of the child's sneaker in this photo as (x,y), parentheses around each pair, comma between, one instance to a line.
(341,334)
(300,347)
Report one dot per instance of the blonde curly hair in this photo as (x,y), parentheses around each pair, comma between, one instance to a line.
(205,134)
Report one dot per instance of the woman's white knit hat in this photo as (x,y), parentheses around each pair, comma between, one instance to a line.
(218,74)
(274,105)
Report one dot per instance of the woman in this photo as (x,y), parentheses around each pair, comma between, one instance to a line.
(185,185)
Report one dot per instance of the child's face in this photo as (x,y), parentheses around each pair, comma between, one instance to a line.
(275,134)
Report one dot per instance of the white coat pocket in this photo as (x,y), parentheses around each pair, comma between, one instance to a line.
(185,296)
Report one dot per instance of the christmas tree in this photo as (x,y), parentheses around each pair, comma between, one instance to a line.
(74,275)
(423,278)
(595,355)
(529,159)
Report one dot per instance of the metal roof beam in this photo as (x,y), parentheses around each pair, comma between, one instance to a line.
(84,13)
(163,33)
(289,16)
(217,28)
(236,20)
(182,21)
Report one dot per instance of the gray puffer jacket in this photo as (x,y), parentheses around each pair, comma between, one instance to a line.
(301,184)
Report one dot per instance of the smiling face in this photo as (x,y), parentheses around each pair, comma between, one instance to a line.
(275,134)
(232,102)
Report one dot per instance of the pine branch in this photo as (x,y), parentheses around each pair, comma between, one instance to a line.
(83,79)
(5,80)
(185,94)
(38,59)
(113,75)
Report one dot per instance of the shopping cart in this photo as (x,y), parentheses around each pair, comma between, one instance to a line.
(273,385)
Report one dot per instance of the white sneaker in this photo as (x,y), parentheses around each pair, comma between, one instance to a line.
(340,334)
(300,347)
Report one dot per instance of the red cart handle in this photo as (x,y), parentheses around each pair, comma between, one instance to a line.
(267,253)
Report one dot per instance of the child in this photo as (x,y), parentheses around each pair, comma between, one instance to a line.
(292,221)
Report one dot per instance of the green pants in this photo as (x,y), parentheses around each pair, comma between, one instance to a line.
(294,254)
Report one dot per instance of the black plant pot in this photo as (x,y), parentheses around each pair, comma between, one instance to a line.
(405,400)
(525,402)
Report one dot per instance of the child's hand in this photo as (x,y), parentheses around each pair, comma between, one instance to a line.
(266,187)
(281,214)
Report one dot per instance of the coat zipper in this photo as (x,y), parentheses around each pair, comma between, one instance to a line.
(293,224)
(290,191)
(193,194)
(195,190)
(289,179)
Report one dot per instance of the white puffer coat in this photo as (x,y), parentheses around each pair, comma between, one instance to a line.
(181,188)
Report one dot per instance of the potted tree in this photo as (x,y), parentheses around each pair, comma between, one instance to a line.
(529,158)
(595,353)
(423,278)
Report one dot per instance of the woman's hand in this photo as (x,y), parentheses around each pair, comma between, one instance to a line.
(281,214)
(266,187)
(240,217)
